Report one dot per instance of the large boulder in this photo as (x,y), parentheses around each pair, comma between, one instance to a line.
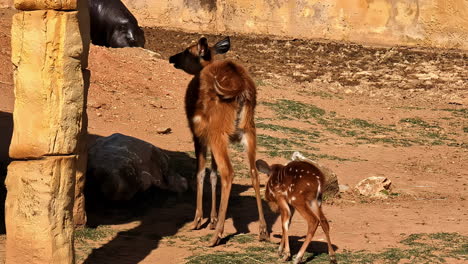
(119,166)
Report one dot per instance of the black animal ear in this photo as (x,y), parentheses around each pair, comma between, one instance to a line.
(262,166)
(203,47)
(223,46)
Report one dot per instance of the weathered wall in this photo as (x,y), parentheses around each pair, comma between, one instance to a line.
(441,23)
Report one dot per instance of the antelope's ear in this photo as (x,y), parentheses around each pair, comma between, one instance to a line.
(223,46)
(262,166)
(203,47)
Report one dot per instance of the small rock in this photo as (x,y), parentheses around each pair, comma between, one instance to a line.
(343,188)
(164,131)
(374,186)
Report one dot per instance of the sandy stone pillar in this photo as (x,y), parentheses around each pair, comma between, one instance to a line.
(50,42)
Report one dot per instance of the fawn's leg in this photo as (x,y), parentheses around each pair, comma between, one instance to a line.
(284,249)
(312,224)
(250,142)
(326,230)
(200,152)
(220,154)
(213,180)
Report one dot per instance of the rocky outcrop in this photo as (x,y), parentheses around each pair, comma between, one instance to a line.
(119,166)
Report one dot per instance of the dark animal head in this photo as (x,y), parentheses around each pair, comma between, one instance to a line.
(127,34)
(194,58)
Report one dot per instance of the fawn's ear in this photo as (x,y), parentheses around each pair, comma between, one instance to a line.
(222,46)
(262,166)
(203,49)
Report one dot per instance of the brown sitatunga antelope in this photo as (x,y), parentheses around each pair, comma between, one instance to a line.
(298,184)
(219,103)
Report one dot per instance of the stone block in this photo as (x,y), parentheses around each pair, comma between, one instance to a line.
(29,5)
(47,53)
(38,210)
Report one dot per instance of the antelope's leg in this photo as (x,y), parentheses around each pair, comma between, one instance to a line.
(312,224)
(326,230)
(250,142)
(220,154)
(213,180)
(284,249)
(200,152)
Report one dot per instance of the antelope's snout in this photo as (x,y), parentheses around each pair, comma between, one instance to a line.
(175,59)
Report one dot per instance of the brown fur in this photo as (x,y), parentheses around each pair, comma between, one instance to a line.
(220,104)
(299,184)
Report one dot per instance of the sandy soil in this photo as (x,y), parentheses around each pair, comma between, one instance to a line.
(414,101)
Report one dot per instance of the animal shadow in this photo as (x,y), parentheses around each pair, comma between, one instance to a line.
(316,248)
(6,128)
(162,213)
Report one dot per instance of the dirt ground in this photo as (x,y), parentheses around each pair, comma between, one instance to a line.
(362,111)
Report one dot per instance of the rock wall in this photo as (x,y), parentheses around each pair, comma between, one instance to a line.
(440,23)
(50,42)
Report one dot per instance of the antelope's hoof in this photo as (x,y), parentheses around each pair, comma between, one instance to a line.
(286,256)
(213,223)
(297,260)
(264,236)
(196,224)
(280,252)
(214,241)
(333,260)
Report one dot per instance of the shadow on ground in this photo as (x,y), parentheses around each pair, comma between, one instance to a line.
(162,213)
(315,248)
(6,131)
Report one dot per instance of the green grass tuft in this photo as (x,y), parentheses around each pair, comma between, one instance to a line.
(292,109)
(416,248)
(94,234)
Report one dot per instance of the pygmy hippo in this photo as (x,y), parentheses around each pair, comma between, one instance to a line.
(112,25)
